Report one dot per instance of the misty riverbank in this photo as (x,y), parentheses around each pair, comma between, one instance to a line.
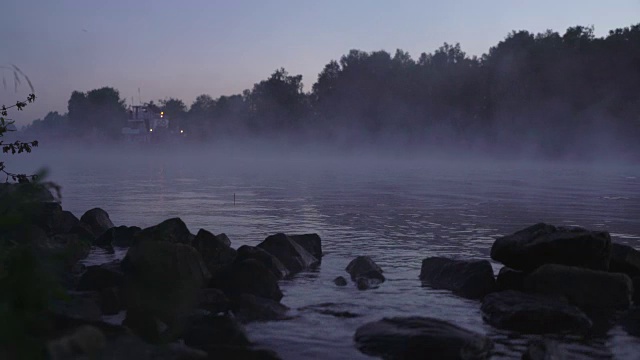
(168,270)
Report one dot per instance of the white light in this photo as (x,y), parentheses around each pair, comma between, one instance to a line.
(150,130)
(181,131)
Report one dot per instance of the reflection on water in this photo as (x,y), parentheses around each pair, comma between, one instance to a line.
(398,214)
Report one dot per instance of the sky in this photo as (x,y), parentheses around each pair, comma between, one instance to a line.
(186,48)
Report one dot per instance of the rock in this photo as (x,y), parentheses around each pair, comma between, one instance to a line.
(625,259)
(310,242)
(369,280)
(213,300)
(636,290)
(420,338)
(247,277)
(84,342)
(531,313)
(293,256)
(98,277)
(173,230)
(225,352)
(542,244)
(269,261)
(128,346)
(543,350)
(83,231)
(224,238)
(79,305)
(340,281)
(587,289)
(471,279)
(365,272)
(163,279)
(70,248)
(331,309)
(510,279)
(50,217)
(204,332)
(249,308)
(110,303)
(214,251)
(98,221)
(144,324)
(362,265)
(631,322)
(120,236)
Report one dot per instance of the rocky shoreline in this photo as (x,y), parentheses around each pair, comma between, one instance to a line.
(187,296)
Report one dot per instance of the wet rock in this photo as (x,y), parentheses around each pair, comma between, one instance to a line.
(532,313)
(471,279)
(542,244)
(543,350)
(247,277)
(173,230)
(125,345)
(332,309)
(293,256)
(420,338)
(213,300)
(362,265)
(146,325)
(269,261)
(225,352)
(625,259)
(630,322)
(310,242)
(214,251)
(98,221)
(98,277)
(120,236)
(340,281)
(163,279)
(587,289)
(207,331)
(510,279)
(369,280)
(249,308)
(636,290)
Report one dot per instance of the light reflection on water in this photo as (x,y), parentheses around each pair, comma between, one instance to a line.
(398,214)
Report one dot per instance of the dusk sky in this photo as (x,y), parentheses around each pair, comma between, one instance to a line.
(183,49)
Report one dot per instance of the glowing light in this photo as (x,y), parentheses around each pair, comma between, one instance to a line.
(161,113)
(181,131)
(150,130)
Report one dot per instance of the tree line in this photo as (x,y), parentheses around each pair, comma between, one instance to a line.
(548,92)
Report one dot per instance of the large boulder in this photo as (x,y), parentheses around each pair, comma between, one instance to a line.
(69,248)
(78,305)
(120,236)
(50,217)
(531,313)
(293,256)
(420,338)
(542,244)
(215,252)
(471,279)
(310,242)
(247,277)
(625,259)
(213,300)
(172,230)
(98,277)
(587,289)
(206,331)
(98,221)
(249,308)
(162,281)
(365,272)
(510,279)
(271,262)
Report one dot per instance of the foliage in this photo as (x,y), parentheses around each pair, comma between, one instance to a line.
(551,92)
(100,112)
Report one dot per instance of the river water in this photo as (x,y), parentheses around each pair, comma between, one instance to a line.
(396,209)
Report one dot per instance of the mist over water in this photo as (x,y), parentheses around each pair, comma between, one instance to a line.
(396,207)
